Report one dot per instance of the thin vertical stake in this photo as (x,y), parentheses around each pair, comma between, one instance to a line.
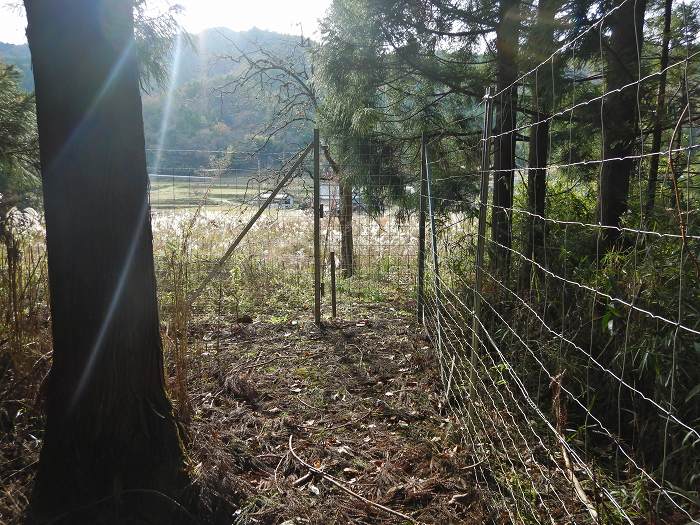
(434,246)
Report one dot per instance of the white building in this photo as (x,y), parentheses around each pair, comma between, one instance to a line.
(281,200)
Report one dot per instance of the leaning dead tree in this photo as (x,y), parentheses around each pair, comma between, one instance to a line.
(283,80)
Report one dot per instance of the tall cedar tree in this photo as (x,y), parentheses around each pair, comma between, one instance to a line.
(111,448)
(660,112)
(619,114)
(542,45)
(506,103)
(347,263)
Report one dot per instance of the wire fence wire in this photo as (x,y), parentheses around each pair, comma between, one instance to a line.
(197,211)
(576,381)
(200,202)
(566,335)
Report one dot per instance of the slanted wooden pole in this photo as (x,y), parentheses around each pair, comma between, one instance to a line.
(219,265)
(317,228)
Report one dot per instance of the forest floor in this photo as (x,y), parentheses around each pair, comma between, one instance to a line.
(279,408)
(357,401)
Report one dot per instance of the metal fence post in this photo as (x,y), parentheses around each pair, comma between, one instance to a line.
(434,246)
(420,293)
(480,241)
(317,228)
(333,296)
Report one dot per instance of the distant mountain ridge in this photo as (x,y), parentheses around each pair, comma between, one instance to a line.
(200,59)
(206,56)
(199,116)
(19,56)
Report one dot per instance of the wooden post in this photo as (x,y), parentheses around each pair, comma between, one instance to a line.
(333,296)
(317,229)
(480,241)
(421,235)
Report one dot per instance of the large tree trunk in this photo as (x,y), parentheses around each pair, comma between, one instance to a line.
(660,110)
(535,228)
(619,115)
(111,450)
(542,41)
(345,219)
(347,263)
(504,145)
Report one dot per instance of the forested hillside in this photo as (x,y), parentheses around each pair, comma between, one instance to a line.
(19,56)
(201,115)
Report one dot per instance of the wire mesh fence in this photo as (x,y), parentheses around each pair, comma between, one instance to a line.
(383,236)
(197,213)
(566,327)
(558,280)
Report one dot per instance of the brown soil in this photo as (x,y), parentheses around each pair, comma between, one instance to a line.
(359,399)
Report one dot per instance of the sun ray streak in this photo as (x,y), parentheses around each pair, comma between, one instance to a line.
(83,126)
(167,109)
(143,213)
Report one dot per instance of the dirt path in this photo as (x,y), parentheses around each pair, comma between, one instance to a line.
(359,400)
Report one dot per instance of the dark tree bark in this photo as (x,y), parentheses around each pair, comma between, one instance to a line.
(619,115)
(535,228)
(660,110)
(538,154)
(504,145)
(347,263)
(111,451)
